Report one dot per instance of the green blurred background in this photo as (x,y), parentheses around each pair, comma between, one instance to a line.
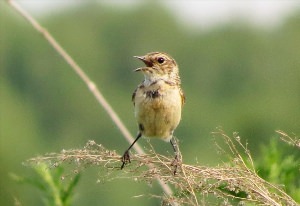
(238,76)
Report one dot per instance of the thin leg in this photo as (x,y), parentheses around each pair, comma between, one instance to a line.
(176,152)
(174,145)
(126,157)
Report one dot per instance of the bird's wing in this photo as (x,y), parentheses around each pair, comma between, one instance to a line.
(133,97)
(134,93)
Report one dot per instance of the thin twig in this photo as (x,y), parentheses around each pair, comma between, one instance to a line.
(90,84)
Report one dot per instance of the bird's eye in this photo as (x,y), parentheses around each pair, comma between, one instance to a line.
(160,60)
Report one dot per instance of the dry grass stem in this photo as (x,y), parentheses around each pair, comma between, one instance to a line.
(230,183)
(294,141)
(77,69)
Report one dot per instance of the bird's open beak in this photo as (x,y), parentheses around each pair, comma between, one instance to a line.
(140,57)
(138,69)
(141,69)
(146,61)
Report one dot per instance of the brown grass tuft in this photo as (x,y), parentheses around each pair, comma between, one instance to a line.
(234,182)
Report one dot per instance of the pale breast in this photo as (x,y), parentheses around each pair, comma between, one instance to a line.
(158,110)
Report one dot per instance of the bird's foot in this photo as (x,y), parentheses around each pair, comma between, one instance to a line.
(176,162)
(125,159)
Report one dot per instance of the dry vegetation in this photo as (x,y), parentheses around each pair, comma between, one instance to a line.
(293,141)
(233,182)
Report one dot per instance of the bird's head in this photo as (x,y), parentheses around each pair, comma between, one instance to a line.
(159,65)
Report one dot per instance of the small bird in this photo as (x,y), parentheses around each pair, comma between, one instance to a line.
(158,100)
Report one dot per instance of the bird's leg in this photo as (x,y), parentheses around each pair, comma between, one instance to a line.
(126,157)
(176,152)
